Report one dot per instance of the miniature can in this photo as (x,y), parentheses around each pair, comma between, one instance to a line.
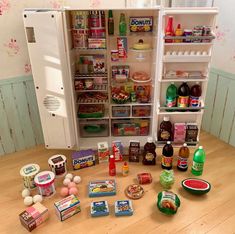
(141,24)
(28,172)
(122,47)
(187,33)
(144,178)
(33,216)
(83,158)
(67,207)
(45,183)
(114,55)
(58,164)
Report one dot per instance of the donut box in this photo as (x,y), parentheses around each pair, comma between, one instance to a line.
(67,207)
(141,24)
(82,159)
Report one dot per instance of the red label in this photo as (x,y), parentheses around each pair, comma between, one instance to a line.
(183,101)
(167,161)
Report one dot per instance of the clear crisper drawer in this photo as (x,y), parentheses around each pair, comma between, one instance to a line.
(121,111)
(94,128)
(130,127)
(141,111)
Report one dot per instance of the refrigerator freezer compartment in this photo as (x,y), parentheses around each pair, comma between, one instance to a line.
(141,111)
(130,127)
(121,111)
(94,128)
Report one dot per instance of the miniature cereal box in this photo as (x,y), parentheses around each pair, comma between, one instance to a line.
(83,158)
(117,150)
(141,24)
(99,208)
(103,152)
(67,207)
(122,47)
(123,208)
(33,216)
(101,188)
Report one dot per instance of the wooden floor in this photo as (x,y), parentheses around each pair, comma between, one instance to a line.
(211,213)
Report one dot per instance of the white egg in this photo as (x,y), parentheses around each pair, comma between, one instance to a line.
(37,198)
(28,201)
(69,176)
(66,181)
(25,193)
(77,179)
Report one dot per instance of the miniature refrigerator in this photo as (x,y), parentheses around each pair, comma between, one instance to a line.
(102,75)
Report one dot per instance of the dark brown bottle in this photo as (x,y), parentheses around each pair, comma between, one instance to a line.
(167,156)
(165,131)
(149,156)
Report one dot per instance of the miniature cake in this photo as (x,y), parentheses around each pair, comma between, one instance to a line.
(141,45)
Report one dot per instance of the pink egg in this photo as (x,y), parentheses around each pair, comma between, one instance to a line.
(71,184)
(64,191)
(73,191)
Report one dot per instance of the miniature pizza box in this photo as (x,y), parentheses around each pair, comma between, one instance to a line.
(67,207)
(123,208)
(99,208)
(83,158)
(101,188)
(33,216)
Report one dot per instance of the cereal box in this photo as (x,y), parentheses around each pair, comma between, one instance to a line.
(67,207)
(83,158)
(141,24)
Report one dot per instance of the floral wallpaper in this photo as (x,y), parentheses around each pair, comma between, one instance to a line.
(14,60)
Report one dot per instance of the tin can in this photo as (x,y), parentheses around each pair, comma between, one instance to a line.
(144,178)
(45,183)
(58,164)
(28,172)
(114,55)
(122,47)
(133,97)
(187,33)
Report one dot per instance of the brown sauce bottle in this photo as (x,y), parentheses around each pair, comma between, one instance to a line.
(149,156)
(165,131)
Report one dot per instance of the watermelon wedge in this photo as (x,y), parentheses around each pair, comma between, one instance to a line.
(196,186)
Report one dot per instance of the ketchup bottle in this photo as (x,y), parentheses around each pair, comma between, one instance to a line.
(169,31)
(112,166)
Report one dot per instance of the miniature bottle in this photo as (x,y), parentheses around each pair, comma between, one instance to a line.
(167,156)
(122,25)
(125,169)
(171,95)
(112,166)
(110,23)
(182,163)
(149,157)
(165,131)
(178,32)
(198,161)
(169,31)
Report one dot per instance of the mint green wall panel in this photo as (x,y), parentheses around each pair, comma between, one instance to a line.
(209,103)
(232,133)
(13,118)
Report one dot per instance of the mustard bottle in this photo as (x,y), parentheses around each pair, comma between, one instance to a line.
(125,169)
(178,32)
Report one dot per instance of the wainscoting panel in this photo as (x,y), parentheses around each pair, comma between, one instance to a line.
(20,126)
(219,114)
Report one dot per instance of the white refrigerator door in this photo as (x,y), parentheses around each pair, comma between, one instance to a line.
(45,39)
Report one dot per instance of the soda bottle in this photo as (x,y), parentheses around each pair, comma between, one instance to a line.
(122,25)
(183,95)
(171,95)
(198,161)
(110,23)
(195,94)
(165,131)
(112,166)
(149,157)
(169,31)
(182,163)
(167,156)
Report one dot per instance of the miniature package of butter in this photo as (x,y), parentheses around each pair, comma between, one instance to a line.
(67,207)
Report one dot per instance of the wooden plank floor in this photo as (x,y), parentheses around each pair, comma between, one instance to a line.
(211,213)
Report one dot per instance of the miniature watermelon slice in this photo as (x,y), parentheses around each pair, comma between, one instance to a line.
(196,186)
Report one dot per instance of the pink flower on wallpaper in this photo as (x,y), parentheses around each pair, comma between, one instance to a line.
(12,47)
(27,68)
(95,3)
(220,34)
(4,6)
(57,4)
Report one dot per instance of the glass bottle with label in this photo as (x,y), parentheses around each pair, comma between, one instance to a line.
(182,163)
(165,131)
(183,95)
(198,161)
(149,156)
(167,156)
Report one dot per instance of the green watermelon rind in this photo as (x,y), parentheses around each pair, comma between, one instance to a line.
(196,191)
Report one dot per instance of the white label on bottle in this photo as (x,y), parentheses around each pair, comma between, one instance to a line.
(197,166)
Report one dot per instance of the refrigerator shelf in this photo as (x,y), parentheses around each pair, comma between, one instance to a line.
(189,44)
(96,88)
(211,37)
(186,58)
(132,104)
(91,101)
(191,11)
(91,76)
(196,79)
(181,108)
(164,112)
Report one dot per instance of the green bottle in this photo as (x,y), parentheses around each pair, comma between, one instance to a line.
(171,95)
(110,23)
(198,161)
(122,25)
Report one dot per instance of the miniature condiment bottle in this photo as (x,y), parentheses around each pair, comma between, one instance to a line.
(178,32)
(149,156)
(112,166)
(125,169)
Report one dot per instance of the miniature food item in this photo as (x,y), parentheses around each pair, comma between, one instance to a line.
(140,76)
(167,179)
(120,96)
(134,191)
(140,45)
(141,24)
(168,202)
(144,178)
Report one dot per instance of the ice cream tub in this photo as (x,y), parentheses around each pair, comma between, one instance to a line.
(45,183)
(58,164)
(28,173)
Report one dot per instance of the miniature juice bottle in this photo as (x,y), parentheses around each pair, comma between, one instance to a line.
(167,156)
(182,163)
(125,169)
(198,161)
(112,166)
(149,157)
